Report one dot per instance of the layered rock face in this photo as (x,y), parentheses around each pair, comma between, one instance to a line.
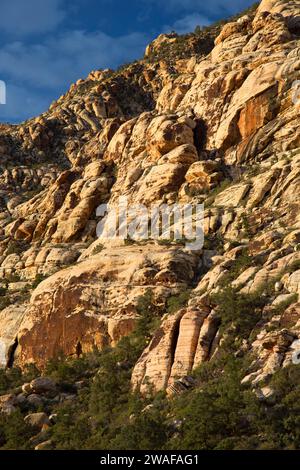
(219,127)
(93,304)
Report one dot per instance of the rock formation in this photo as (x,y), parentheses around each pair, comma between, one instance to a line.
(215,123)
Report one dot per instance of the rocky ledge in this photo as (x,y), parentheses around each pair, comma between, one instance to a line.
(219,126)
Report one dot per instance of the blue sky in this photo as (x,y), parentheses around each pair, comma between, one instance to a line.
(45,45)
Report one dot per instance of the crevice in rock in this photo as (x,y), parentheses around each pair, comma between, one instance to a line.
(78,349)
(200,135)
(174,342)
(11,354)
(213,345)
(159,334)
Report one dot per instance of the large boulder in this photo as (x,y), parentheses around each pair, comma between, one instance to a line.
(37,420)
(42,385)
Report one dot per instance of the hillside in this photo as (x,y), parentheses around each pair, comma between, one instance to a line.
(146,343)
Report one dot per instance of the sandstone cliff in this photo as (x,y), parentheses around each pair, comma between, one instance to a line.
(218,125)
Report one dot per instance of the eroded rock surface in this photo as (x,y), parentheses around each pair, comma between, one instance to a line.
(215,122)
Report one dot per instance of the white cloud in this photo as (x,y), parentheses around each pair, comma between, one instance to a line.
(67,57)
(22,17)
(34,71)
(188,23)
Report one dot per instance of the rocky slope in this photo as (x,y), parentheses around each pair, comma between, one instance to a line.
(217,124)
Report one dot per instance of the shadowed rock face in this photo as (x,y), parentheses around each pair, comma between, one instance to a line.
(218,125)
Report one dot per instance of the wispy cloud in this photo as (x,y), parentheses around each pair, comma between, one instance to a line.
(24,17)
(34,70)
(68,56)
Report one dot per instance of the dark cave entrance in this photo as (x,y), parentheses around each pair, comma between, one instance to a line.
(78,349)
(11,354)
(200,135)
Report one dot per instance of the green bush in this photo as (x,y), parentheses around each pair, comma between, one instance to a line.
(97,249)
(14,377)
(3,291)
(176,302)
(219,414)
(241,310)
(38,279)
(103,411)
(14,432)
(17,247)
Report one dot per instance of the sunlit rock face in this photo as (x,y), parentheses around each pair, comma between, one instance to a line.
(210,119)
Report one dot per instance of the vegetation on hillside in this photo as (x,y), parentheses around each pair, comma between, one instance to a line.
(197,43)
(219,413)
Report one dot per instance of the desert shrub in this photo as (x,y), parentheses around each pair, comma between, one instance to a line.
(280,308)
(97,249)
(38,279)
(14,432)
(9,379)
(13,278)
(102,411)
(12,378)
(176,302)
(221,414)
(215,417)
(64,369)
(282,420)
(211,196)
(4,302)
(241,310)
(3,291)
(17,247)
(214,242)
(148,430)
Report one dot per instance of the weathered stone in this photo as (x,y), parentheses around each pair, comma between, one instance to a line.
(189,331)
(37,420)
(167,129)
(207,334)
(108,279)
(46,445)
(42,385)
(154,366)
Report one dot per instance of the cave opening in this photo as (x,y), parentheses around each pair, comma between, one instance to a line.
(11,354)
(200,135)
(78,349)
